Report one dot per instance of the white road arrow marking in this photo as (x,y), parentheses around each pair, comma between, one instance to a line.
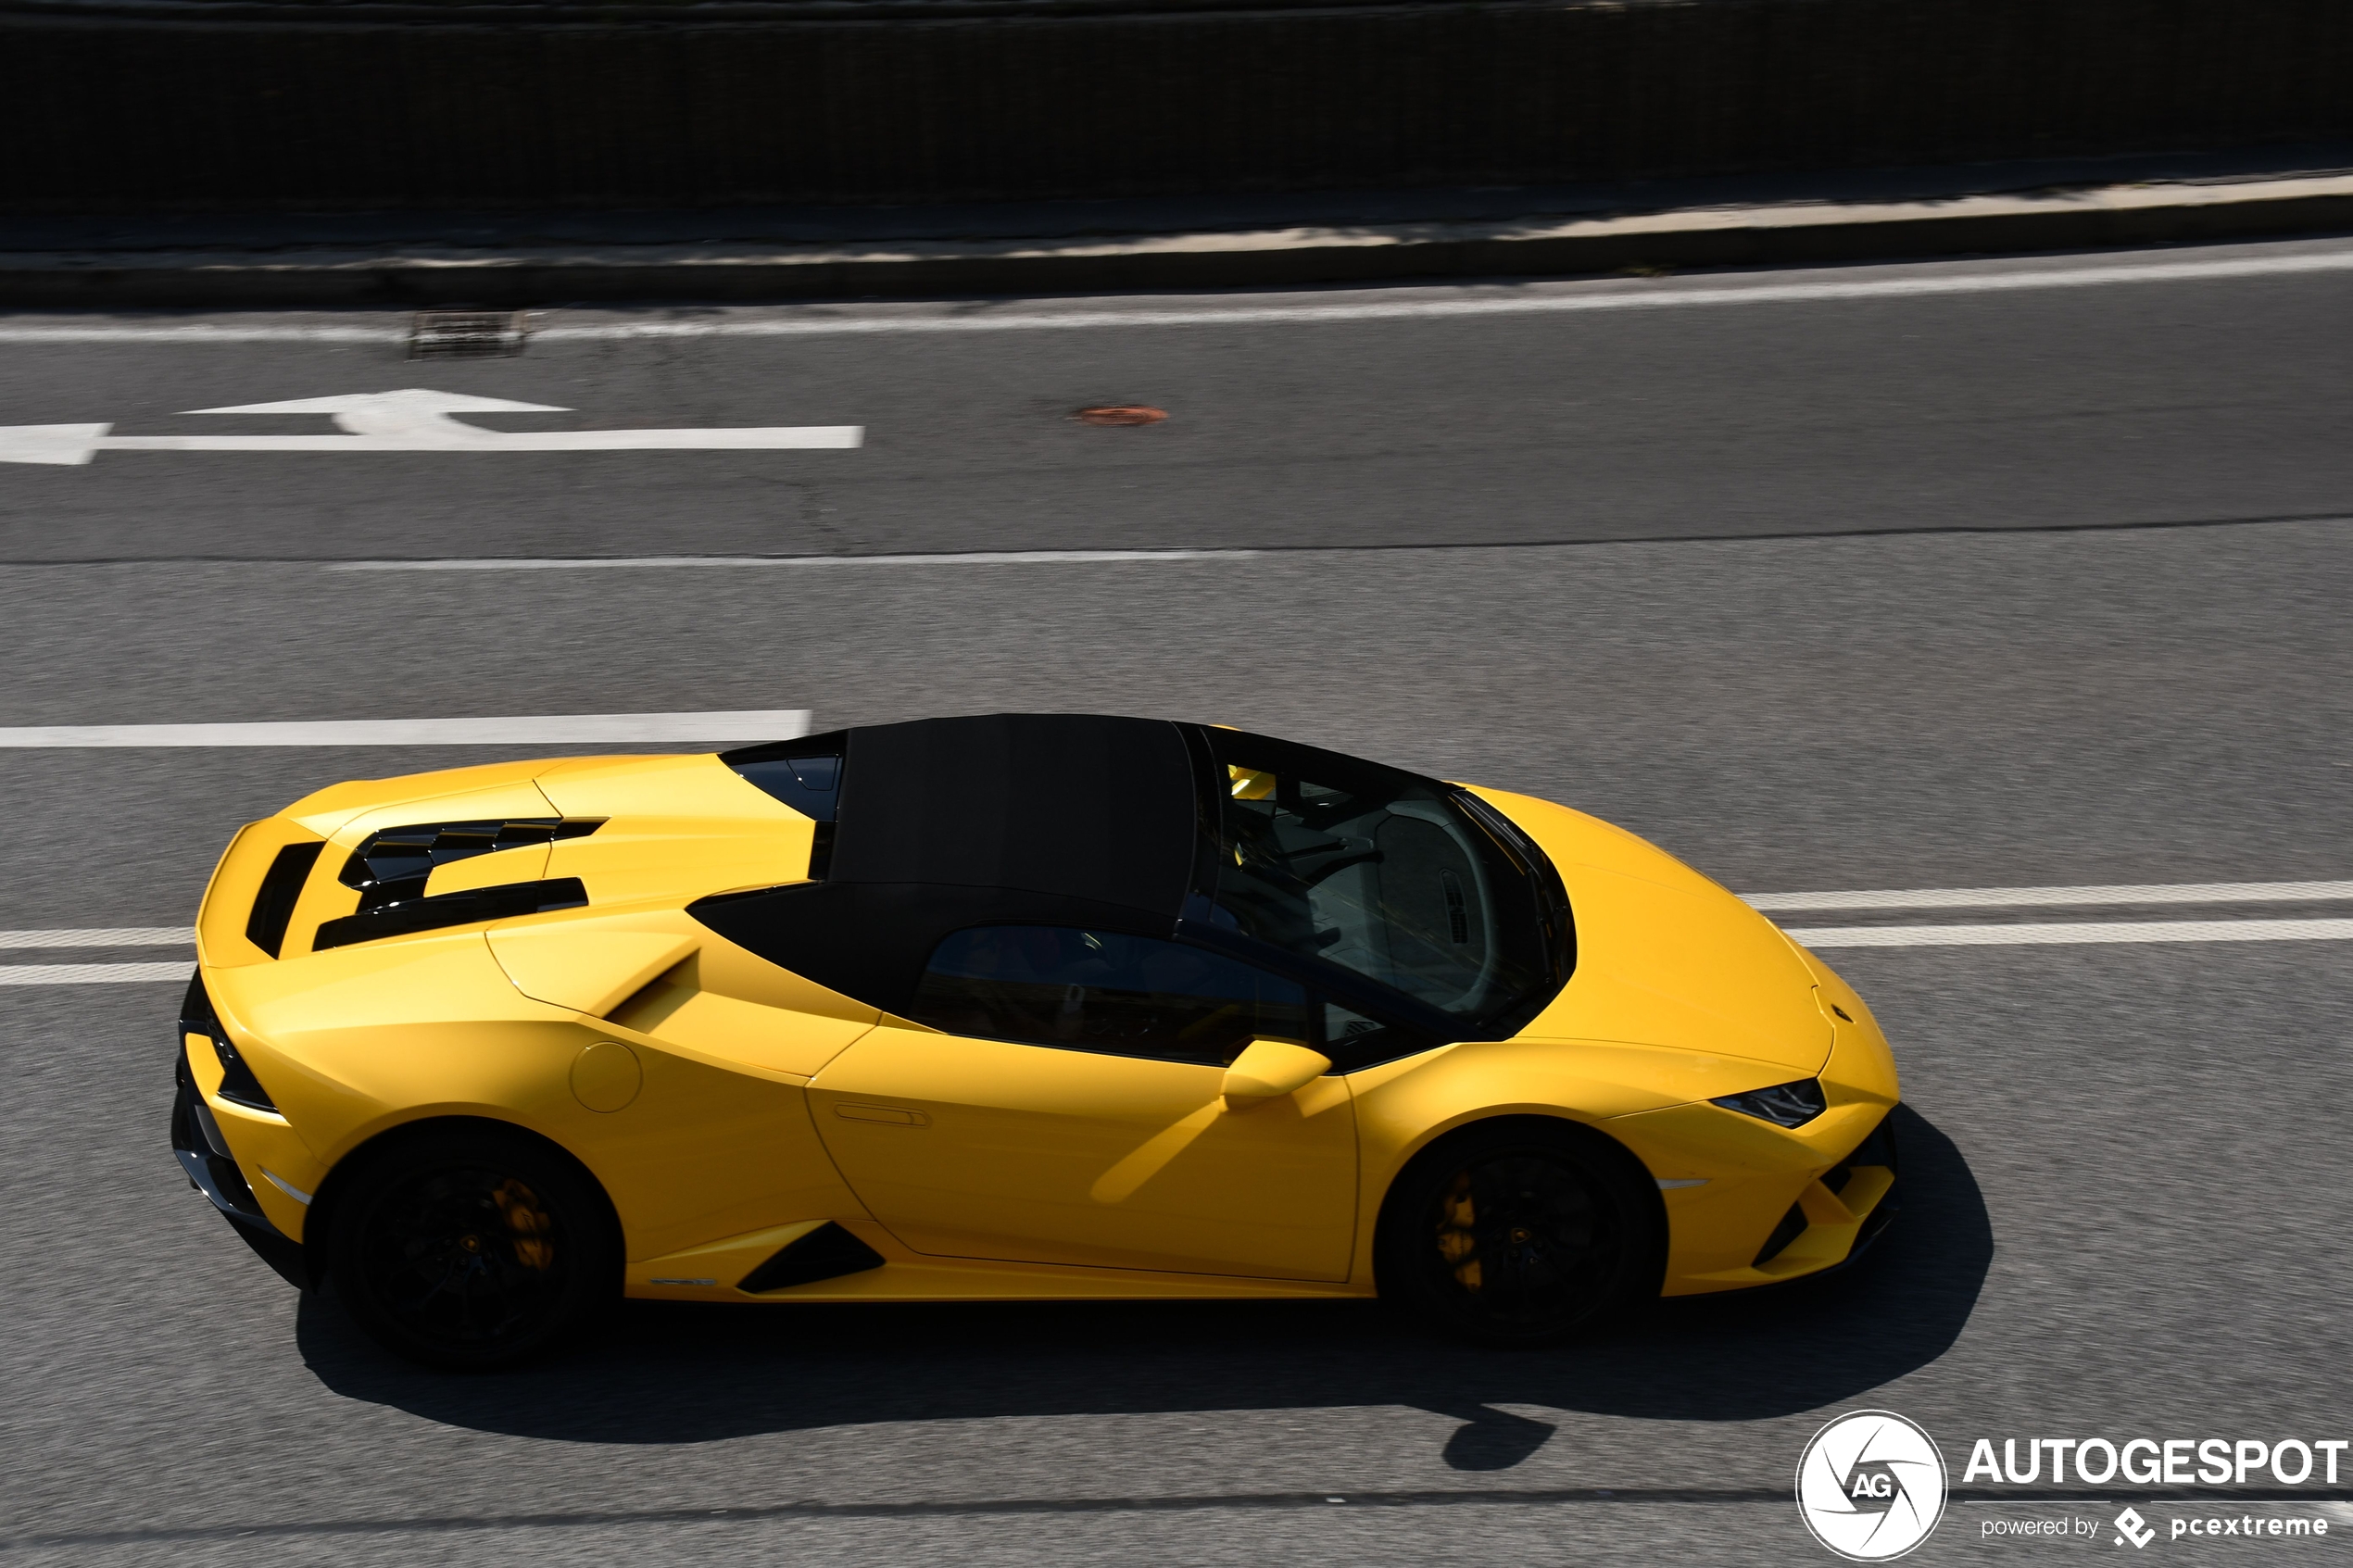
(415,420)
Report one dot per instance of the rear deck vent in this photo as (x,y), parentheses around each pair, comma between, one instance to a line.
(281,886)
(827,1252)
(410,916)
(392,865)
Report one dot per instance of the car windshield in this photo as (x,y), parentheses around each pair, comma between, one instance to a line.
(1405,881)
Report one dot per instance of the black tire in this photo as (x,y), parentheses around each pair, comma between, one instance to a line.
(471,1247)
(1519,1231)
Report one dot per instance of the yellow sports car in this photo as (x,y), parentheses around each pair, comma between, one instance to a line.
(1018,1007)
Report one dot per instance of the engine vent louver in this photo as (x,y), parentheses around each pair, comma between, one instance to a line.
(281,886)
(392,865)
(412,915)
(827,1252)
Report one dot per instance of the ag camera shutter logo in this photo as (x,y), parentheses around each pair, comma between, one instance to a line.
(1870,1485)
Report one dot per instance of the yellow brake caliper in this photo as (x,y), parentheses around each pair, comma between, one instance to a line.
(527,1223)
(1457,1242)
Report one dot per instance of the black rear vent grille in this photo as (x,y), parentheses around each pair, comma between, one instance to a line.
(196,1016)
(237,1082)
(204,1154)
(412,915)
(281,886)
(394,864)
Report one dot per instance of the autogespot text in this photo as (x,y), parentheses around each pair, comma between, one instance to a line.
(2151,1462)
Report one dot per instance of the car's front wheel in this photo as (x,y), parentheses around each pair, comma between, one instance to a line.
(1520,1231)
(471,1247)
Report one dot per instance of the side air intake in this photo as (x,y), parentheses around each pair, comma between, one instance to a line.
(827,1252)
(1792,1226)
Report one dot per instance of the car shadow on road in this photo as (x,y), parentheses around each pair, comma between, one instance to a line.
(679,1373)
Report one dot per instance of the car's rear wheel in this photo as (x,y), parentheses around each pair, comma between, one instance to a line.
(469,1248)
(1520,1231)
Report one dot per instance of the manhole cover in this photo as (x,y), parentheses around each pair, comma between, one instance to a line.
(1121,414)
(467,335)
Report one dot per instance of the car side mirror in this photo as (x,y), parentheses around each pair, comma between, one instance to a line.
(1269,1070)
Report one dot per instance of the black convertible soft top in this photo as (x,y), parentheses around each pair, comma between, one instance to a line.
(1083,807)
(1454,924)
(944,823)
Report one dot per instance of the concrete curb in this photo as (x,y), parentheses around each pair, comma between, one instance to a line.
(1713,236)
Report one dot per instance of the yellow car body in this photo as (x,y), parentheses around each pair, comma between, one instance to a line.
(728,1106)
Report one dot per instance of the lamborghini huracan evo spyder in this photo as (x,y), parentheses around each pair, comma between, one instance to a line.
(1028,1006)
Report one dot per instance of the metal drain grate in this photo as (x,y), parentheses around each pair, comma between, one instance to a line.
(467,334)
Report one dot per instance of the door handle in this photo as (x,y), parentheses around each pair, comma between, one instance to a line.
(890,1115)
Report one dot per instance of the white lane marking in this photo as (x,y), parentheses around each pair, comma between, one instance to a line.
(1601,298)
(562,729)
(965,557)
(2089,932)
(102,936)
(92,974)
(203,331)
(414,420)
(1538,304)
(1820,936)
(2041,898)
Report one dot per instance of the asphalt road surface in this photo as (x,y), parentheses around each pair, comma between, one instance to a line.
(1843,590)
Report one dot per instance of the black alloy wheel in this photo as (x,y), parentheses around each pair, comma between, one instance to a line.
(472,1250)
(1520,1231)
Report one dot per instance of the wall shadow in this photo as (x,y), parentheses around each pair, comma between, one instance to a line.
(667,1372)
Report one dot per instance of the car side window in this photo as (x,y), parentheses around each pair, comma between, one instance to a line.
(1105,991)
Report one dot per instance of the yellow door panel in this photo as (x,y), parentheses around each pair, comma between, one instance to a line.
(1029,1153)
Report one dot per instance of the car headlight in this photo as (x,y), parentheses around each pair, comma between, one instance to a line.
(1784,1105)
